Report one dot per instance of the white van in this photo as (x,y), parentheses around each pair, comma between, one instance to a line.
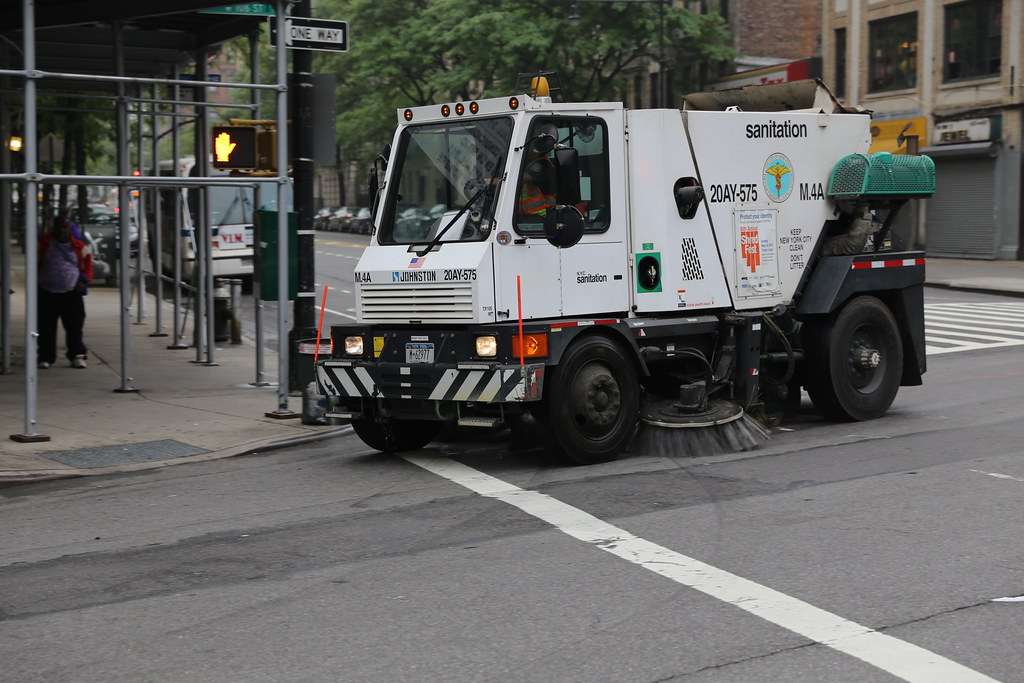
(231,224)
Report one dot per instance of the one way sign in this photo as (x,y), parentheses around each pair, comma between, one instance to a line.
(312,34)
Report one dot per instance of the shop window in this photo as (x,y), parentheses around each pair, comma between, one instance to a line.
(973,39)
(893,53)
(541,181)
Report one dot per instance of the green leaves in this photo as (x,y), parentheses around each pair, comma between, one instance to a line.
(414,52)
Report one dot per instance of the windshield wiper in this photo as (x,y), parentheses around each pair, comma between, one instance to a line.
(465,207)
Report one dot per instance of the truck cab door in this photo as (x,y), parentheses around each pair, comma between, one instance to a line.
(589,277)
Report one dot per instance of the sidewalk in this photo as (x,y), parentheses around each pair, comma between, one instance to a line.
(184,411)
(181,411)
(998,277)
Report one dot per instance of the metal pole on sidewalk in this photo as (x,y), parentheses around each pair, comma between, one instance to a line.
(304,324)
(158,271)
(282,221)
(140,211)
(123,200)
(202,144)
(178,328)
(6,218)
(257,300)
(31,218)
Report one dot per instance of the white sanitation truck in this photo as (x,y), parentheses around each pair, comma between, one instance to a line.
(596,267)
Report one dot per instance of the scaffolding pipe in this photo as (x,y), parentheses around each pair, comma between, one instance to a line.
(124,283)
(282,216)
(31,238)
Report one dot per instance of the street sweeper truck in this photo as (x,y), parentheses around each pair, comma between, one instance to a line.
(600,270)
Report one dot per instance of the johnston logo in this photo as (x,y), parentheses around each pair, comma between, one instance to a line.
(414,276)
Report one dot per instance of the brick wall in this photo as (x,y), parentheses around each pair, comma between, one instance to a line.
(782,30)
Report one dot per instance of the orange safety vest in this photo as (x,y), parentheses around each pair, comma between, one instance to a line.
(533,201)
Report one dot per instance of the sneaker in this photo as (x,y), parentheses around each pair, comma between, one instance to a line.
(43,366)
(78,362)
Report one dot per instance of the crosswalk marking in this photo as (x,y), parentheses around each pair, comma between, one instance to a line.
(953,327)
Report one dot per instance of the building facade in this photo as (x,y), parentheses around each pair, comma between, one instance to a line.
(948,72)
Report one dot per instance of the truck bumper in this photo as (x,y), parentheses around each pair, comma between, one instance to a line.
(343,381)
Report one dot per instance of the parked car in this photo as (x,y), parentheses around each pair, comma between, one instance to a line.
(362,223)
(103,215)
(341,219)
(412,224)
(322,217)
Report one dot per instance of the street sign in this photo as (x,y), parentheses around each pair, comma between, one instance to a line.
(312,34)
(256,9)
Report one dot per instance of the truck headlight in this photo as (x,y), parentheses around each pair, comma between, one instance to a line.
(487,346)
(353,346)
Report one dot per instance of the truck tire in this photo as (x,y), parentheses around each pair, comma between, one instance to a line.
(406,435)
(594,401)
(854,361)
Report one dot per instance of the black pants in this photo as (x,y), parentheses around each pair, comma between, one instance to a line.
(69,308)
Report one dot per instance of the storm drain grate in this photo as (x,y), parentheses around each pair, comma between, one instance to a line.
(125,454)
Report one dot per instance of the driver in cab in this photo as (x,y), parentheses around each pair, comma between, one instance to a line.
(537,193)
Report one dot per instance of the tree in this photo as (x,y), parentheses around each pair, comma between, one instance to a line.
(414,52)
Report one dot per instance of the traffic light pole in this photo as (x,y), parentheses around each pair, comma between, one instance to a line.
(302,172)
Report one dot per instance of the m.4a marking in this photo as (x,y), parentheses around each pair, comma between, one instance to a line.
(810,191)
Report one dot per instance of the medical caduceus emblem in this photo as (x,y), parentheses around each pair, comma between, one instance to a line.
(778,177)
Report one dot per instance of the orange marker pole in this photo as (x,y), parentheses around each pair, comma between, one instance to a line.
(522,342)
(320,325)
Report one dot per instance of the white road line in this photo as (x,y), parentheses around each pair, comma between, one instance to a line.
(897,657)
(999,476)
(344,315)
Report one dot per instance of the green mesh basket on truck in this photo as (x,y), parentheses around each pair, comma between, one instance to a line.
(882,175)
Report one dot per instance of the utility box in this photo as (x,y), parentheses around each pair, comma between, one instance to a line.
(265,275)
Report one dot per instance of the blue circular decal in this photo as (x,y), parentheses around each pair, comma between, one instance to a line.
(778,177)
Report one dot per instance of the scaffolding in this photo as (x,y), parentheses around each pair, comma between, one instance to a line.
(129,100)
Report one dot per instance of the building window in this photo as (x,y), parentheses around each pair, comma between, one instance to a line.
(893,53)
(973,39)
(840,62)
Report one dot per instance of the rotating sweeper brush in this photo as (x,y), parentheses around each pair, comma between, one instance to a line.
(693,425)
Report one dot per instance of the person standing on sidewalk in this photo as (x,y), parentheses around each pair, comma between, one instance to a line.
(65,269)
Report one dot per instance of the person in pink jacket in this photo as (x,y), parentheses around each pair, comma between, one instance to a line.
(65,270)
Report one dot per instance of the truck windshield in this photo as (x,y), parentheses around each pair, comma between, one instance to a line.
(438,170)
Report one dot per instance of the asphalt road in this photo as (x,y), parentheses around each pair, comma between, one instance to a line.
(874,551)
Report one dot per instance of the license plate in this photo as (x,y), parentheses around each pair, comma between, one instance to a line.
(419,353)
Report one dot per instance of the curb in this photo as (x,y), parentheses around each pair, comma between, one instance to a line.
(19,480)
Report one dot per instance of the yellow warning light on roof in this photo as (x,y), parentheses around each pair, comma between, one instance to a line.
(460,109)
(407,114)
(539,87)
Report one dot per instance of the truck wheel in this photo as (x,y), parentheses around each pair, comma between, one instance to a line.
(594,401)
(406,435)
(855,362)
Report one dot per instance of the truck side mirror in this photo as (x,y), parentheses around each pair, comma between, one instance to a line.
(545,139)
(563,226)
(567,165)
(380,165)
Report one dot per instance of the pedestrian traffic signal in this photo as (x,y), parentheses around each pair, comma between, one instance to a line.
(234,147)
